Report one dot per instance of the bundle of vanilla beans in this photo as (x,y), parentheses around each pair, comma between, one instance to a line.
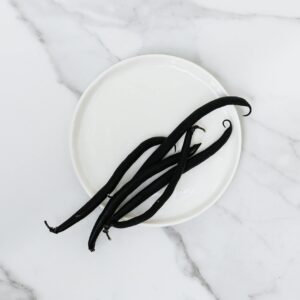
(174,166)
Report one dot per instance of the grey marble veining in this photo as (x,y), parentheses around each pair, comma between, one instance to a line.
(189,267)
(245,247)
(12,289)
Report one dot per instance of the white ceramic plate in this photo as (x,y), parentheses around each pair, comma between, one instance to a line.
(148,96)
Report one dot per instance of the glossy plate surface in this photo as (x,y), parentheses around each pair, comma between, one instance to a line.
(148,96)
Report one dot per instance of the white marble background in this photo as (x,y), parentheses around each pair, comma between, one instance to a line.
(247,247)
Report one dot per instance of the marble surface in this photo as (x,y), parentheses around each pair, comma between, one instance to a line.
(246,247)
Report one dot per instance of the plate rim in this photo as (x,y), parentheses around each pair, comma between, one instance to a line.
(94,82)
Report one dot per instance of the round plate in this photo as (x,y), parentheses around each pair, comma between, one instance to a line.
(148,96)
